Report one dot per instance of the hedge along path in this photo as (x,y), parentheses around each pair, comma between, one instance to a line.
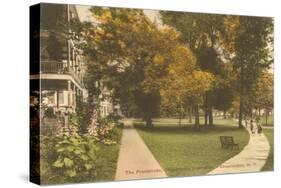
(135,159)
(251,159)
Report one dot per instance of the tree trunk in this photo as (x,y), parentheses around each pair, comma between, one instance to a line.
(266,114)
(180,114)
(148,121)
(241,105)
(224,114)
(196,114)
(240,113)
(210,110)
(189,115)
(206,116)
(206,109)
(184,113)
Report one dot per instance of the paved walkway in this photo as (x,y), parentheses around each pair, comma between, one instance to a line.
(135,159)
(251,159)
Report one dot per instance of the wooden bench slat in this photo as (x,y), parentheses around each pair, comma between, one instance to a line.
(228,142)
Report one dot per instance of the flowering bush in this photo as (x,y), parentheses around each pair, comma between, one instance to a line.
(105,132)
(103,129)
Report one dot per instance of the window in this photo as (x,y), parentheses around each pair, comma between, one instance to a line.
(61,97)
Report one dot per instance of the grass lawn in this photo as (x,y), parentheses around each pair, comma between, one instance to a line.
(269,165)
(270,121)
(107,159)
(184,151)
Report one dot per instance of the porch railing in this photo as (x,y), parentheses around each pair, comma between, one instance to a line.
(53,67)
(57,67)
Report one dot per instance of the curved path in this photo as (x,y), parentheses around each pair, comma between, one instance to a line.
(251,159)
(135,159)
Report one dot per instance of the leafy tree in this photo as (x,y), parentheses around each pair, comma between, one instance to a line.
(208,36)
(218,38)
(113,51)
(224,93)
(263,98)
(184,82)
(122,46)
(252,56)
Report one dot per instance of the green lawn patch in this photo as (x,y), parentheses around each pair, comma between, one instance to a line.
(270,121)
(185,151)
(269,165)
(107,159)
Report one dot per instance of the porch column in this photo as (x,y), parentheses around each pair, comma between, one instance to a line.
(74,97)
(57,97)
(68,93)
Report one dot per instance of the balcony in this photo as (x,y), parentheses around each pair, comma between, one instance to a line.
(57,67)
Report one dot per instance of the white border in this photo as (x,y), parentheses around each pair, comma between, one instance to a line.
(14,90)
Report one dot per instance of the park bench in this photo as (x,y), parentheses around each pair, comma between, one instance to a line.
(227,142)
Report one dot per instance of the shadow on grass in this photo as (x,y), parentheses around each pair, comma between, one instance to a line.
(186,128)
(128,127)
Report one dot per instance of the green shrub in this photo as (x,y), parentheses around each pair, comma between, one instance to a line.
(113,118)
(81,119)
(73,158)
(68,159)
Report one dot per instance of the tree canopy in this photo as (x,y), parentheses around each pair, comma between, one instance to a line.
(192,60)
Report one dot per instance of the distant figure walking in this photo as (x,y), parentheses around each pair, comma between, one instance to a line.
(252,126)
(259,128)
